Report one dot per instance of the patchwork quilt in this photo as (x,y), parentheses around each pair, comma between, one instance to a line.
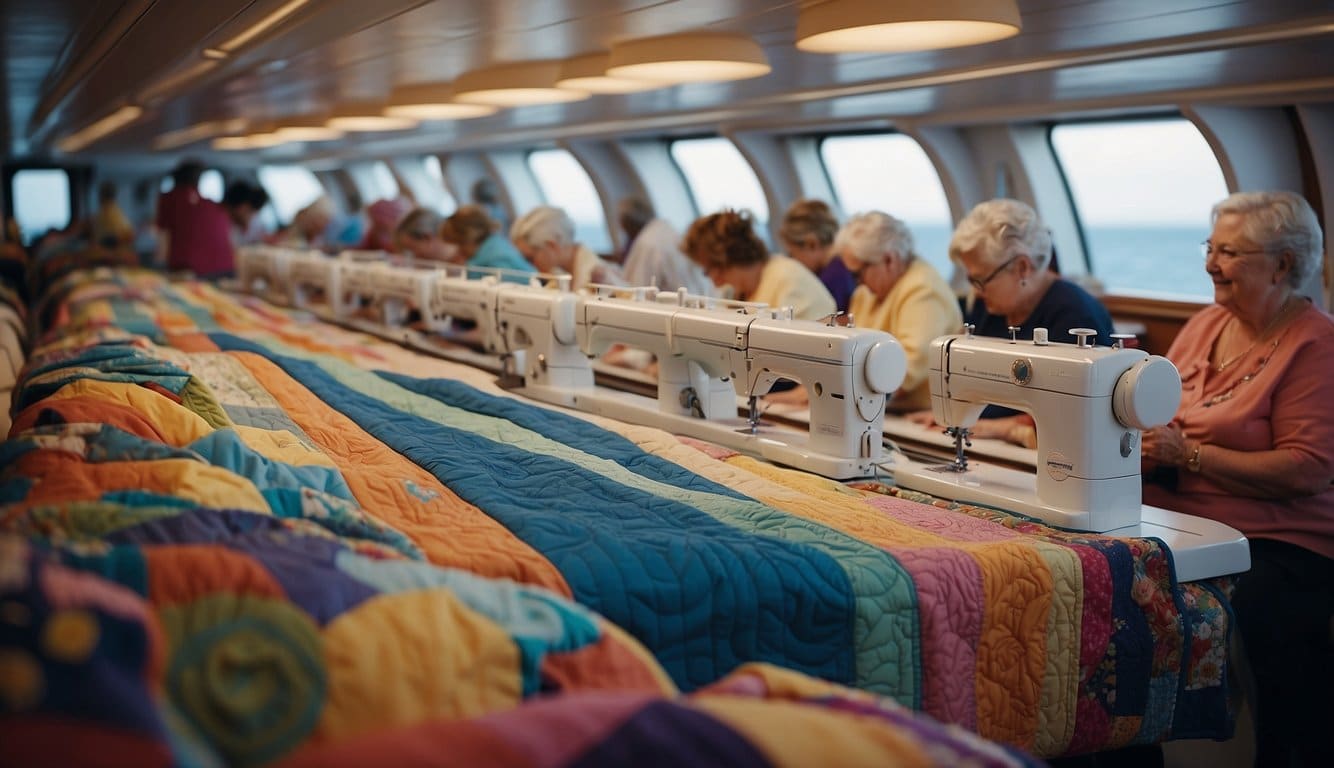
(237,534)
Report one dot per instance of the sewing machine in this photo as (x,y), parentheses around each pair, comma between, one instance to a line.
(263,269)
(1089,404)
(694,369)
(311,272)
(398,289)
(709,355)
(536,325)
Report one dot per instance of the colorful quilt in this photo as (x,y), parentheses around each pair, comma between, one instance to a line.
(225,466)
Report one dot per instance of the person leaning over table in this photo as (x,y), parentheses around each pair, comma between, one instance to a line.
(807,232)
(480,244)
(734,257)
(418,236)
(1252,445)
(1006,249)
(653,251)
(898,292)
(545,237)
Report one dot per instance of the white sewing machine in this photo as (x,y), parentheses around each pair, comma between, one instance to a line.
(712,355)
(536,325)
(310,272)
(1089,404)
(263,269)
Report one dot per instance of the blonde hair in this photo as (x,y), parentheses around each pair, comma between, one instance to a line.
(468,226)
(809,218)
(542,224)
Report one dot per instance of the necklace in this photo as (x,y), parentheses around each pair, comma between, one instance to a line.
(1279,316)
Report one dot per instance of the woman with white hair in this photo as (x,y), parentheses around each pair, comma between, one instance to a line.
(897,292)
(1006,251)
(545,236)
(1252,445)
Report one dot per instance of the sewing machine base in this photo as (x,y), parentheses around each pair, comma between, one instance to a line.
(769,442)
(1201,548)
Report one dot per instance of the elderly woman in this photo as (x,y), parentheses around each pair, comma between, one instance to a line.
(1252,445)
(545,237)
(899,293)
(477,237)
(732,255)
(1006,252)
(807,233)
(653,251)
(418,236)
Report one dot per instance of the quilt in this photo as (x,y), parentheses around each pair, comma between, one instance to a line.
(186,446)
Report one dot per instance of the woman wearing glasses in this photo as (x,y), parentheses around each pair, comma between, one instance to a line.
(1006,251)
(899,293)
(1252,445)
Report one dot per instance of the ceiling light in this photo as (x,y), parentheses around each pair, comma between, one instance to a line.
(514,85)
(432,101)
(231,143)
(100,129)
(688,58)
(367,117)
(876,26)
(263,25)
(264,136)
(589,73)
(197,132)
(306,129)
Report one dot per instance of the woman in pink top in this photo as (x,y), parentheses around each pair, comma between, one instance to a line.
(1252,445)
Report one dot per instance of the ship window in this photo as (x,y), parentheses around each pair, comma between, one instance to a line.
(435,194)
(889,172)
(41,201)
(374,181)
(210,185)
(290,188)
(566,184)
(1143,190)
(719,177)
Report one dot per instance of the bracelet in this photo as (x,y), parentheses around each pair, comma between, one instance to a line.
(1193,463)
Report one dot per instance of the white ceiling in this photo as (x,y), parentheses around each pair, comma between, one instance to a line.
(69,62)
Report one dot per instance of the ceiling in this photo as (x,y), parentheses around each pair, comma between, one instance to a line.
(67,63)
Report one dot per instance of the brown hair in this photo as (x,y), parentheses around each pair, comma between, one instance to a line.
(468,227)
(806,218)
(724,239)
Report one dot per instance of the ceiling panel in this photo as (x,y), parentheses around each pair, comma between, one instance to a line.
(1071,51)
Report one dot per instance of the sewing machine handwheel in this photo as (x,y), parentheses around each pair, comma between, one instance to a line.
(1147,394)
(886,365)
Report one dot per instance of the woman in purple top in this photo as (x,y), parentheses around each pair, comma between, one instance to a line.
(807,233)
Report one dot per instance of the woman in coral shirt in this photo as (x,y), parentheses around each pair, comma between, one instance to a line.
(1252,445)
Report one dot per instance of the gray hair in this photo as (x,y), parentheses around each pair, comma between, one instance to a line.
(1000,230)
(1279,222)
(541,224)
(868,236)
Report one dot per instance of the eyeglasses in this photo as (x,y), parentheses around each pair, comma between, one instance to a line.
(1208,249)
(982,283)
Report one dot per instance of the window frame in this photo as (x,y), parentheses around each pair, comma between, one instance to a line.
(1128,297)
(609,239)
